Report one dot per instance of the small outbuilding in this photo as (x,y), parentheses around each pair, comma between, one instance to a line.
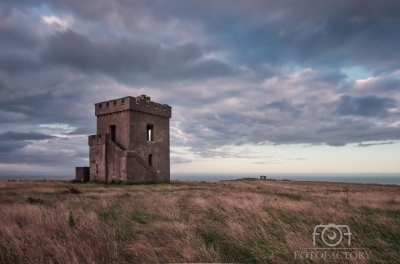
(82,174)
(263,177)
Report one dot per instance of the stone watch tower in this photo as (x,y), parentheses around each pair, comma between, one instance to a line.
(131,143)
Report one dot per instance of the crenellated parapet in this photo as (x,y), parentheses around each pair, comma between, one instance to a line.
(141,104)
(100,139)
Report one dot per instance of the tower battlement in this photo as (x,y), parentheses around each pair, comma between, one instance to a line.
(140,103)
(100,139)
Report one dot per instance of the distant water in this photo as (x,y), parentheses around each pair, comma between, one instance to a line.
(37,177)
(379,178)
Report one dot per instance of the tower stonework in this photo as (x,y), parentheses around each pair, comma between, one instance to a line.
(132,141)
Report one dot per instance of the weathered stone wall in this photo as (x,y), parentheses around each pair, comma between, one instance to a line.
(159,148)
(128,166)
(122,126)
(138,170)
(97,157)
(116,163)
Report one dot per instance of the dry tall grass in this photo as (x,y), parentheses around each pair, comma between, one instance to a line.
(232,221)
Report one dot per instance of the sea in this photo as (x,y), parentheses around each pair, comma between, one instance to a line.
(368,178)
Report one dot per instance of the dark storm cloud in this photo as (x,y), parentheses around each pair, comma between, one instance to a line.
(44,108)
(381,84)
(16,136)
(274,32)
(281,106)
(388,84)
(16,35)
(375,144)
(34,158)
(79,51)
(83,131)
(11,141)
(338,133)
(314,33)
(124,57)
(315,130)
(14,63)
(369,105)
(10,146)
(204,69)
(54,152)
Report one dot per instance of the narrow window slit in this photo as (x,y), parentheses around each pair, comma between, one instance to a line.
(112,132)
(150,132)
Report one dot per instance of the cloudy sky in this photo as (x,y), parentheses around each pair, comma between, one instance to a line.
(255,86)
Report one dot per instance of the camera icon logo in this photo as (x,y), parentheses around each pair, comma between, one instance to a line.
(332,234)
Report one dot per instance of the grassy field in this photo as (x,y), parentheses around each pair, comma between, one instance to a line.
(246,221)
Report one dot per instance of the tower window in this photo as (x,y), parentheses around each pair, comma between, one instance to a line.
(150,132)
(151,159)
(112,133)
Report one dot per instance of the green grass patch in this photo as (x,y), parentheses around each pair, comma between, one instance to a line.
(105,215)
(374,232)
(184,207)
(125,232)
(229,250)
(290,196)
(216,216)
(372,213)
(141,218)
